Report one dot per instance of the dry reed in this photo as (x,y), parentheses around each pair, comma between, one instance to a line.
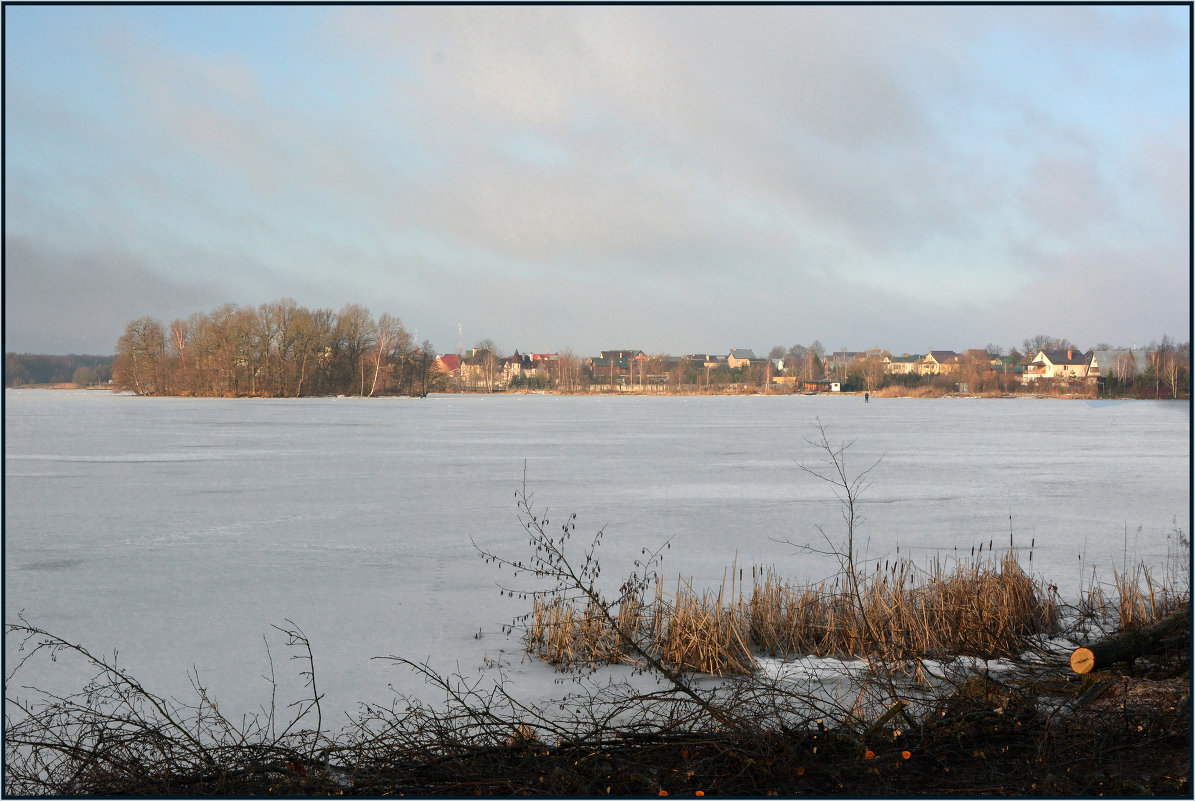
(988,607)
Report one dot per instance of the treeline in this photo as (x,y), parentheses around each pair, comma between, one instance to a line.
(23,369)
(277,349)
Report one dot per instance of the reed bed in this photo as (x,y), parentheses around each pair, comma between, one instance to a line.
(1142,599)
(704,633)
(987,607)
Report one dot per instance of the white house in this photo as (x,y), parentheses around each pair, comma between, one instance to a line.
(1070,365)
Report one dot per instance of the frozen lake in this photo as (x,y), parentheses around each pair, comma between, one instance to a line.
(178,530)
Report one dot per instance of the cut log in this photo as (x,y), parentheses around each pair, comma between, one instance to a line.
(1127,646)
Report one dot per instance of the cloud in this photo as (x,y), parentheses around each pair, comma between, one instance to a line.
(80,304)
(708,166)
(1065,197)
(1098,294)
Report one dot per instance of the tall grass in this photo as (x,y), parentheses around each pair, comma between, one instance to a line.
(1137,596)
(987,607)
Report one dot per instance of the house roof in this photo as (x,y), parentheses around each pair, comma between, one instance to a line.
(1071,357)
(620,363)
(450,361)
(942,356)
(742,353)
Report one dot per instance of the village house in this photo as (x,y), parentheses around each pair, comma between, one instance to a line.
(740,357)
(905,364)
(450,365)
(1067,364)
(1009,369)
(515,365)
(940,362)
(617,367)
(481,368)
(822,385)
(704,361)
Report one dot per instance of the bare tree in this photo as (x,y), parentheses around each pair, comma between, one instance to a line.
(566,372)
(425,377)
(848,489)
(352,336)
(1173,362)
(140,358)
(309,343)
(179,355)
(489,360)
(1043,342)
(269,335)
(391,341)
(873,369)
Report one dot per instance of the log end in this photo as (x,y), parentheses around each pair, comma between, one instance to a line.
(1082,661)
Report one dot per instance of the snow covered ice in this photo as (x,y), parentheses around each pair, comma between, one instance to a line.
(179,530)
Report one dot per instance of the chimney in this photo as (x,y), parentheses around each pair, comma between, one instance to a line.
(1070,355)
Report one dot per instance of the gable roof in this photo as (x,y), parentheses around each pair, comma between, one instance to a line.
(942,356)
(742,353)
(1067,357)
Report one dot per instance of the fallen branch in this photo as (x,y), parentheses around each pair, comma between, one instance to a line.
(1127,646)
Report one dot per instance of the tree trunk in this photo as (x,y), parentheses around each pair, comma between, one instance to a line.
(1127,646)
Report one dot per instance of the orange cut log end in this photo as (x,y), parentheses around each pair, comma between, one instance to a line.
(1082,660)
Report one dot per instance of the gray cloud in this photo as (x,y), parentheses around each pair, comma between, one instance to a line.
(708,174)
(80,304)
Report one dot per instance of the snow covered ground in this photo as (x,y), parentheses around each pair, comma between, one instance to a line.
(179,530)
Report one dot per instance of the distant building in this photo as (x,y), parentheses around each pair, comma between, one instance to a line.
(705,360)
(906,364)
(940,362)
(740,357)
(1067,364)
(617,367)
(450,364)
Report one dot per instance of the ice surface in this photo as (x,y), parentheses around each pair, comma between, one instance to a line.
(178,530)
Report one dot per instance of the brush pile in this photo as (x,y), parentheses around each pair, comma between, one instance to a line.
(1122,733)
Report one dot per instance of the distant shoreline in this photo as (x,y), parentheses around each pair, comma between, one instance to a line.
(886,394)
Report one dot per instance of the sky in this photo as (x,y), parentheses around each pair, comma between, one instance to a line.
(670,179)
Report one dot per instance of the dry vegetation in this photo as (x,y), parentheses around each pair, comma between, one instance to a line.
(988,608)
